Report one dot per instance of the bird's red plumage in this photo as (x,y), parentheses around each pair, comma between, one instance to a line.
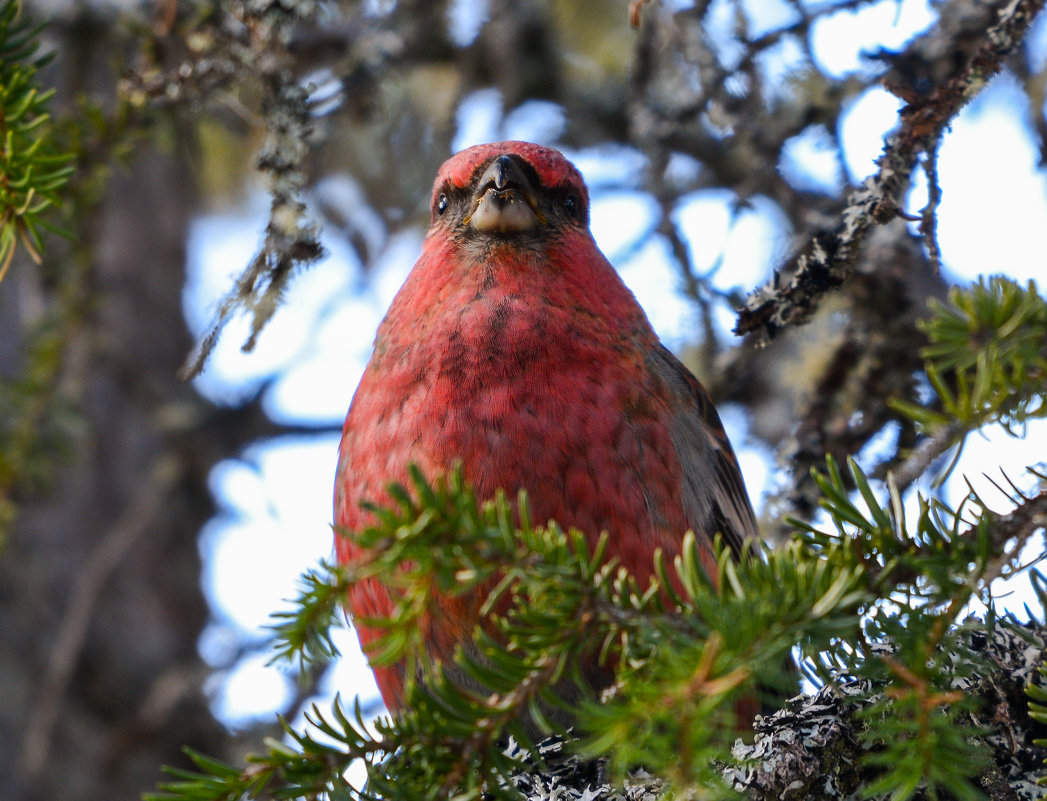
(528,359)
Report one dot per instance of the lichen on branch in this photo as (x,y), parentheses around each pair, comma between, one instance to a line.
(829,257)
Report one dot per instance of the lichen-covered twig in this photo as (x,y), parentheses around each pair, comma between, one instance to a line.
(252,42)
(291,241)
(829,257)
(810,749)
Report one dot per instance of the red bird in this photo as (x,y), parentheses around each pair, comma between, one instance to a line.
(514,347)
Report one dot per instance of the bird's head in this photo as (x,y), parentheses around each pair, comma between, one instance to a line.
(512,191)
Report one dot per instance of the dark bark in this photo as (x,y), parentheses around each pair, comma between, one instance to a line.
(100,592)
(100,580)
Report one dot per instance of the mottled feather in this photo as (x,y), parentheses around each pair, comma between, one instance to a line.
(524,356)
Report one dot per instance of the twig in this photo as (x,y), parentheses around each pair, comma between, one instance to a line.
(1029,517)
(925,453)
(829,258)
(929,213)
(90,582)
(291,240)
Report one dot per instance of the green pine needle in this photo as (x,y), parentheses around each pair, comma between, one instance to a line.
(986,358)
(876,598)
(32,172)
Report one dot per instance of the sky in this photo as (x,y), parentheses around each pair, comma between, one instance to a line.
(275,502)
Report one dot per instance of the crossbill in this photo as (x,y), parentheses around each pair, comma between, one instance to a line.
(515,348)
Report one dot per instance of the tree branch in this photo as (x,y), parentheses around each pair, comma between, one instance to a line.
(810,749)
(829,258)
(89,585)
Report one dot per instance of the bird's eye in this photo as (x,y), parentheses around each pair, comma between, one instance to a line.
(442,203)
(571,205)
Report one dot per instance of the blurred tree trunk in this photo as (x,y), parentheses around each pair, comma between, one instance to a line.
(100,594)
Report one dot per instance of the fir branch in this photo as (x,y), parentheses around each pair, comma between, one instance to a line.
(813,748)
(304,632)
(874,601)
(912,645)
(924,561)
(308,767)
(32,171)
(989,339)
(565,602)
(986,360)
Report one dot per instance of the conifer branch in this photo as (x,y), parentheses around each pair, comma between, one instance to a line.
(684,650)
(875,599)
(32,170)
(986,360)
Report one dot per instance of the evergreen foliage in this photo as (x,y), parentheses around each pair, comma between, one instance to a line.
(32,172)
(873,593)
(32,175)
(987,357)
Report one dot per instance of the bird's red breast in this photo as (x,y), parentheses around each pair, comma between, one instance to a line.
(514,347)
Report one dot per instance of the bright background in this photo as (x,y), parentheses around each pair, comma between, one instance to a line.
(276,501)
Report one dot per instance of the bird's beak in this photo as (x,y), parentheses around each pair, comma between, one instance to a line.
(505,200)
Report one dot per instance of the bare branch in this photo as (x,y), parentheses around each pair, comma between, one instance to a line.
(90,582)
(829,258)
(926,453)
